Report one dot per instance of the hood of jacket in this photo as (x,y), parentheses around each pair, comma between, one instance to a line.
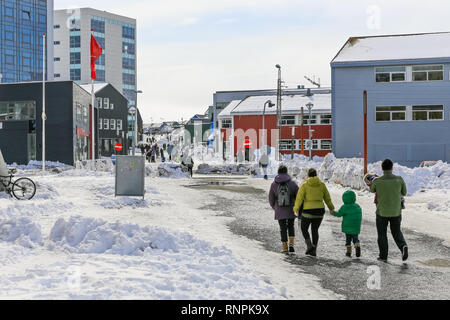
(313,182)
(349,197)
(282,178)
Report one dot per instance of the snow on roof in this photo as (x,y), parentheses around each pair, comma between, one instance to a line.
(97,87)
(227,111)
(395,47)
(289,104)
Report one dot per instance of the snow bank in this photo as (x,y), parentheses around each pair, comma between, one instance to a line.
(243,169)
(38,165)
(172,170)
(21,231)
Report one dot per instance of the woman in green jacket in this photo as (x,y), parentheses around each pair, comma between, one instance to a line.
(311,197)
(351,222)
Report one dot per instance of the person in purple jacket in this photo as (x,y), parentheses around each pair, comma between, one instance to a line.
(282,194)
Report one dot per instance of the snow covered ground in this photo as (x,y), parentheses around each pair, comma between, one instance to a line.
(75,240)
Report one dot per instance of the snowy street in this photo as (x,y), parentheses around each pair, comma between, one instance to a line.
(211,237)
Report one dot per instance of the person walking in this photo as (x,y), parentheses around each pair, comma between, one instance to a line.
(264,163)
(189,163)
(389,190)
(282,195)
(351,222)
(312,195)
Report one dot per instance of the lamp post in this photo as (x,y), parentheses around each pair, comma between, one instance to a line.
(133,111)
(279,110)
(135,123)
(44,115)
(270,105)
(310,106)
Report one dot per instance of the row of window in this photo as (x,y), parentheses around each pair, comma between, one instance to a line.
(413,73)
(410,113)
(103,103)
(316,119)
(286,145)
(26,15)
(110,124)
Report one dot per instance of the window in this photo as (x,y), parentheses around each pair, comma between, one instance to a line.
(42,19)
(98,26)
(306,119)
(119,124)
(128,63)
(111,106)
(105,124)
(26,38)
(22,110)
(9,12)
(286,144)
(100,124)
(75,41)
(75,74)
(26,61)
(112,123)
(129,79)
(56,43)
(9,59)
(287,120)
(221,105)
(432,113)
(390,74)
(394,113)
(428,73)
(9,35)
(105,103)
(326,144)
(128,32)
(306,144)
(325,119)
(26,15)
(75,58)
(128,48)
(227,123)
(57,75)
(56,26)
(99,102)
(57,59)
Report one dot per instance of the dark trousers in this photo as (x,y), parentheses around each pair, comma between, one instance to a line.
(315,224)
(382,224)
(351,237)
(286,227)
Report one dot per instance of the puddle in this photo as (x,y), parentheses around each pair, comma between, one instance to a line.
(442,263)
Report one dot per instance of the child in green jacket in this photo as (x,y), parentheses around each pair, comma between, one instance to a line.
(351,223)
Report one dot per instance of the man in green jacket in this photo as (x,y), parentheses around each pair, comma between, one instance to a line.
(389,189)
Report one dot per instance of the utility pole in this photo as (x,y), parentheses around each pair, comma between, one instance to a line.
(365,130)
(279,158)
(293,143)
(310,106)
(44,115)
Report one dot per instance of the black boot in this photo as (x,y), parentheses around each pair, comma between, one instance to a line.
(405,253)
(309,247)
(314,251)
(358,250)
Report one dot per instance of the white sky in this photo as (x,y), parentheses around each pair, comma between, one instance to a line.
(188,49)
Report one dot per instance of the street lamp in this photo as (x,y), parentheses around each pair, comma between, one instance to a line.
(270,105)
(279,110)
(133,112)
(310,106)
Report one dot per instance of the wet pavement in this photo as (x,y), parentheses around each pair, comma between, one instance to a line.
(426,275)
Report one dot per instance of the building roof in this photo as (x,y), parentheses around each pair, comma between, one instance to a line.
(291,104)
(97,87)
(227,111)
(395,47)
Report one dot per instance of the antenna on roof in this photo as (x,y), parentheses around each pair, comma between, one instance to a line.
(313,81)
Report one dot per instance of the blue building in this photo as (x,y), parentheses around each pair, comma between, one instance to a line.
(22,25)
(408,85)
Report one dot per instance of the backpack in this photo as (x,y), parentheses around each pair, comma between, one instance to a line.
(284,195)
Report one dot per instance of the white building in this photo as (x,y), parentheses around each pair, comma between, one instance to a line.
(115,34)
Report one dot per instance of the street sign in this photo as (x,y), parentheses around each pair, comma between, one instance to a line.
(118,147)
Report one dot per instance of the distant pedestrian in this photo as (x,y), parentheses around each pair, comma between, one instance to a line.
(264,163)
(312,195)
(189,163)
(389,189)
(351,222)
(282,195)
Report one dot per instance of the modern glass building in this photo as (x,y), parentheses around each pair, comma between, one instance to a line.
(22,25)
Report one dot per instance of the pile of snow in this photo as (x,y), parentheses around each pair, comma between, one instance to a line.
(21,231)
(173,170)
(105,195)
(45,191)
(32,165)
(102,165)
(236,169)
(350,173)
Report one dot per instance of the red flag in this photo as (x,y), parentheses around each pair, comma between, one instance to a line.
(96,52)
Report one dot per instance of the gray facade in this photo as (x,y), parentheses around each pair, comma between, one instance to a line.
(408,107)
(67,125)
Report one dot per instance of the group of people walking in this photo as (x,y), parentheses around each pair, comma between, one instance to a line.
(307,203)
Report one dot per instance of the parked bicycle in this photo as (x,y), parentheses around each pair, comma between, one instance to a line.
(21,189)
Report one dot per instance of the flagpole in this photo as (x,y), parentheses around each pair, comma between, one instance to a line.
(44,116)
(93,110)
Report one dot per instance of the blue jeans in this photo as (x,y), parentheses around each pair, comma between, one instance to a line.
(351,237)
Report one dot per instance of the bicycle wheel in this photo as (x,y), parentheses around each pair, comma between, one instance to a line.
(24,189)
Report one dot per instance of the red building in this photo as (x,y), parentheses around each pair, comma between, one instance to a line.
(242,120)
